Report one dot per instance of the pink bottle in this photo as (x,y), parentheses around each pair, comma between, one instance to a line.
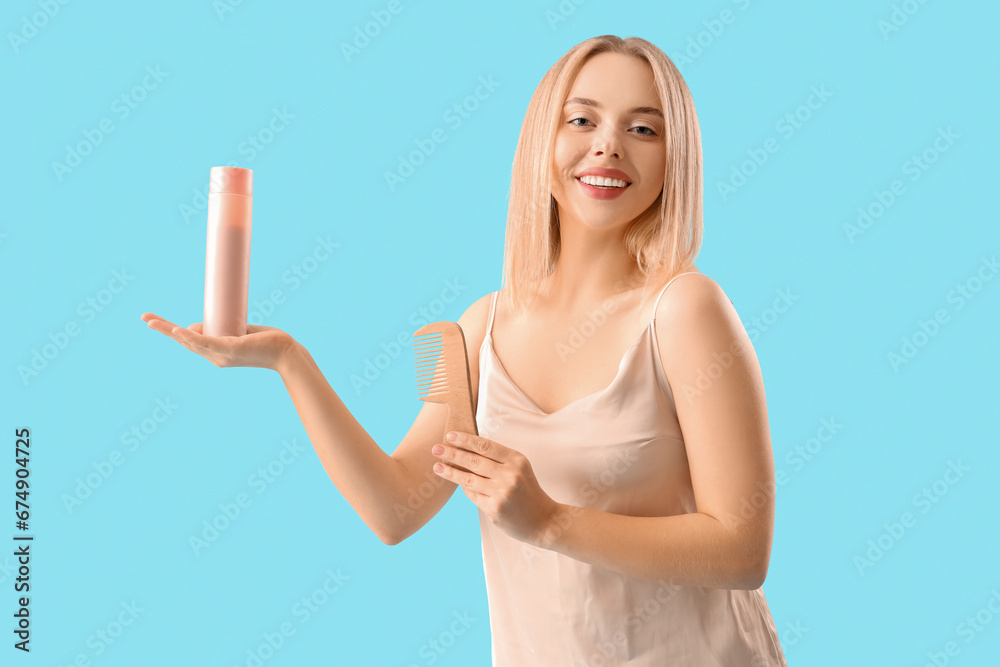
(227,261)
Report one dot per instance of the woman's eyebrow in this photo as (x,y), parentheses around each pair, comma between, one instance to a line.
(594,103)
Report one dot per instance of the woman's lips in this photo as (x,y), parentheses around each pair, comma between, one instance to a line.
(601,193)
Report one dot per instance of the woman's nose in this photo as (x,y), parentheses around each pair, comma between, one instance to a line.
(607,143)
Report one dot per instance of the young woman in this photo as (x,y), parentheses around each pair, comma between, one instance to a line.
(623,469)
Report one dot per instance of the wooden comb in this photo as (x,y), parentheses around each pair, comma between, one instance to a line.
(443,372)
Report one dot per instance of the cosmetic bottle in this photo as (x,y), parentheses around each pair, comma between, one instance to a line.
(227,259)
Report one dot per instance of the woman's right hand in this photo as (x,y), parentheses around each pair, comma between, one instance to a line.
(261,347)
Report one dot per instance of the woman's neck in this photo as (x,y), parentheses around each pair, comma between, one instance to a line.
(583,276)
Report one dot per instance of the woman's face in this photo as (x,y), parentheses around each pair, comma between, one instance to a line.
(612,120)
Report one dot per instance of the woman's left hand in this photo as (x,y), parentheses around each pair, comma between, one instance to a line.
(500,482)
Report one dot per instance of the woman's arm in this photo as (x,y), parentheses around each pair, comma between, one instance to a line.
(368,478)
(726,543)
(389,493)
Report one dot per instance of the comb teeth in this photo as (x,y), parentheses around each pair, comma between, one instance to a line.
(442,362)
(428,355)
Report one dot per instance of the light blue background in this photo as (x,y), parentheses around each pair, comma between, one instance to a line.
(323,176)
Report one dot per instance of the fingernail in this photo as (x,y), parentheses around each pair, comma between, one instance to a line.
(437,450)
(451,436)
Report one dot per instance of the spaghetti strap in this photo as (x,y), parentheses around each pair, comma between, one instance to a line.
(665,289)
(493,305)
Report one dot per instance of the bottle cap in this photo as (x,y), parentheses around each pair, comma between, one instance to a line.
(230,180)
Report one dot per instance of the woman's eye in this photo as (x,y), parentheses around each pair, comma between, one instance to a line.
(645,131)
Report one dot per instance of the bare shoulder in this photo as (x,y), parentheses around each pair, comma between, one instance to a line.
(473,322)
(697,325)
(692,293)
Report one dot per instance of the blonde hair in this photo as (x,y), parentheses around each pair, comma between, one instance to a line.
(664,238)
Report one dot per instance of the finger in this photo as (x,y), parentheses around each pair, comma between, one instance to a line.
(189,339)
(481,446)
(196,327)
(467,480)
(473,496)
(193,339)
(162,326)
(157,322)
(469,460)
(151,319)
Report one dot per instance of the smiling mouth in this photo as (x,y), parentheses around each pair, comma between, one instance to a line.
(605,183)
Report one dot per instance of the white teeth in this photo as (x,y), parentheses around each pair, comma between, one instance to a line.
(601,181)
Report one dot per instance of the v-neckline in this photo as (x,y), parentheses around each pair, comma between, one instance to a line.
(621,364)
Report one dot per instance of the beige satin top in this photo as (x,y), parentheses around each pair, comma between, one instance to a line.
(617,450)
